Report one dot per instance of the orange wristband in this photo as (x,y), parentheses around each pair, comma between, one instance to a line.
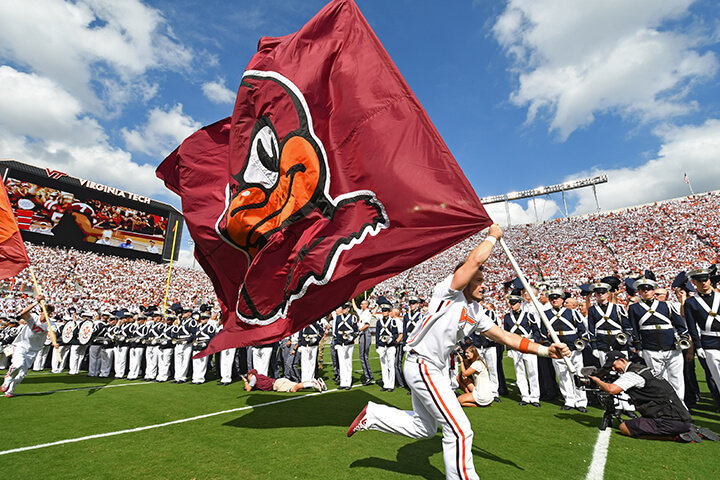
(524,344)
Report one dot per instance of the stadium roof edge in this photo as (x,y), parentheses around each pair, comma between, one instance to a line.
(75,181)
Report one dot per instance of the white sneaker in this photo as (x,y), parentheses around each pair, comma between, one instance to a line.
(322,384)
(316,386)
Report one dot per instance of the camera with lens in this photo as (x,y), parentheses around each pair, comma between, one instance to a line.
(609,402)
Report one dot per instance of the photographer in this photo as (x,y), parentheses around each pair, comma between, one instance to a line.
(664,417)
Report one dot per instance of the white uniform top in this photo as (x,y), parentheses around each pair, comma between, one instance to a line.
(450,318)
(32,337)
(364,317)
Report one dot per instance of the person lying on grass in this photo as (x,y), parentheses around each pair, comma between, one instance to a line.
(257,381)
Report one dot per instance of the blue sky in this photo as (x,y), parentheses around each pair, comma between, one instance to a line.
(524,92)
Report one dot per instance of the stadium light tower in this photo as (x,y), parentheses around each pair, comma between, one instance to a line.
(539,191)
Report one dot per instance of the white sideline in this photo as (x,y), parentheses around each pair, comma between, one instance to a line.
(150,427)
(597,467)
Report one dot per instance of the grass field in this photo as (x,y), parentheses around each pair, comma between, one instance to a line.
(225,432)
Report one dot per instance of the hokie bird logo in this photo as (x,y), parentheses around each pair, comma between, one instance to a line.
(279,210)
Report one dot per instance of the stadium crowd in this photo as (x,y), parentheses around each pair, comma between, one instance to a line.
(132,336)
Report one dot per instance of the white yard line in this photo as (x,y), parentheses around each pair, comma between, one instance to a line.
(82,388)
(159,425)
(597,467)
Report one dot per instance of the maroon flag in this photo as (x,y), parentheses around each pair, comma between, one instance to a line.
(13,256)
(328,178)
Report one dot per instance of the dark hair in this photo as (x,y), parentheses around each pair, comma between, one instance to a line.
(49,308)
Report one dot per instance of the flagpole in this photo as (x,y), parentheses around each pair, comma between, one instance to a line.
(535,302)
(172,255)
(687,180)
(51,333)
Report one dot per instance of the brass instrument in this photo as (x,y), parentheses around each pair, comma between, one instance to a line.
(580,344)
(622,339)
(684,342)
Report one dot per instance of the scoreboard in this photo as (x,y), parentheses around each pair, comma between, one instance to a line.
(56,209)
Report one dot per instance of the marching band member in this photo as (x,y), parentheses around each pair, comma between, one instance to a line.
(571,331)
(205,333)
(183,334)
(308,342)
(386,336)
(523,323)
(346,330)
(657,329)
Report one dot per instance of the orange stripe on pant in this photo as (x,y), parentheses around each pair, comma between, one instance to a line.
(444,410)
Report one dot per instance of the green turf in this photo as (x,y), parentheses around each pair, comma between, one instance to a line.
(306,436)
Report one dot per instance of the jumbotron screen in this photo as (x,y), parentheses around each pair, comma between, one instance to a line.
(95,217)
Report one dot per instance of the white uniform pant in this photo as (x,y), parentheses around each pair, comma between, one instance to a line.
(121,354)
(344,354)
(199,368)
(21,362)
(136,355)
(94,360)
(226,365)
(41,358)
(308,362)
(434,403)
(107,357)
(526,375)
(261,359)
(77,353)
(58,361)
(151,362)
(712,358)
(669,365)
(164,359)
(489,354)
(4,360)
(183,355)
(387,365)
(574,397)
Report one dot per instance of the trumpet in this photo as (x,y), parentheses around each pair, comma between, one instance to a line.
(684,342)
(580,344)
(621,338)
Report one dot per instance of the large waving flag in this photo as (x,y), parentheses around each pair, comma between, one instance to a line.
(328,178)
(13,256)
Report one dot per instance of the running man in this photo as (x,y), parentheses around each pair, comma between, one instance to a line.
(454,313)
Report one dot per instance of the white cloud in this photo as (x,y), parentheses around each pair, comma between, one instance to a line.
(690,149)
(218,93)
(577,59)
(163,131)
(97,50)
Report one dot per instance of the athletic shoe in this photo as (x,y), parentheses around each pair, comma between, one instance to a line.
(3,388)
(322,384)
(705,433)
(316,386)
(566,407)
(535,404)
(383,389)
(523,403)
(497,399)
(689,437)
(359,424)
(582,409)
(389,390)
(9,395)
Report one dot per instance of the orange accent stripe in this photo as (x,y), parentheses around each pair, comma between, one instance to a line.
(462,434)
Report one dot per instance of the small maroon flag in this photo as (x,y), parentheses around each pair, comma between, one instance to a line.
(328,178)
(13,256)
